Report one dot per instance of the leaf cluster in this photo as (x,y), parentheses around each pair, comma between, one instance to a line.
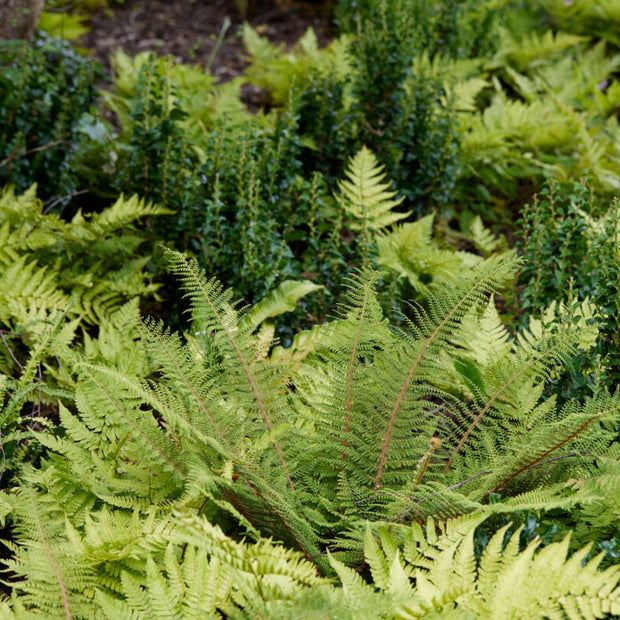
(62,283)
(133,508)
(45,88)
(570,243)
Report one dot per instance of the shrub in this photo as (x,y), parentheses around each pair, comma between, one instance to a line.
(572,247)
(45,89)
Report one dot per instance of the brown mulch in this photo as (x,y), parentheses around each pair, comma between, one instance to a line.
(188,30)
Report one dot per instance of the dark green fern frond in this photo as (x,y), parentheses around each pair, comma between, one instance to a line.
(405,372)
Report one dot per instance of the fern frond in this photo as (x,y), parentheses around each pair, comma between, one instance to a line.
(534,49)
(433,328)
(408,250)
(212,308)
(282,299)
(505,583)
(57,585)
(366,196)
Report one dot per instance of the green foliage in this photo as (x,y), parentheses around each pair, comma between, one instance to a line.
(66,282)
(559,125)
(157,157)
(396,113)
(221,472)
(456,29)
(148,77)
(45,89)
(277,72)
(548,110)
(599,18)
(120,564)
(69,26)
(571,245)
(365,195)
(305,453)
(410,251)
(343,102)
(437,575)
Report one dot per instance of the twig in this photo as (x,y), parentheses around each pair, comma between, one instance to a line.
(61,198)
(540,464)
(541,458)
(218,44)
(2,332)
(36,149)
(419,501)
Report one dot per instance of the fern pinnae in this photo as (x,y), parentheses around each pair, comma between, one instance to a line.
(486,284)
(434,445)
(195,282)
(32,517)
(138,432)
(349,389)
(163,340)
(53,564)
(539,459)
(557,349)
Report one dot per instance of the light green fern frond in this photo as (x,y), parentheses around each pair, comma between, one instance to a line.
(122,213)
(534,49)
(409,250)
(199,586)
(257,389)
(59,587)
(589,17)
(440,573)
(366,195)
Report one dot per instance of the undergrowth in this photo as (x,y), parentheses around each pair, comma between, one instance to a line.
(354,355)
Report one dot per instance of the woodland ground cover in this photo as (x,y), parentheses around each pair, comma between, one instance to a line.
(354,353)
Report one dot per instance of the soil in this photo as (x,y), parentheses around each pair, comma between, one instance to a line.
(189,29)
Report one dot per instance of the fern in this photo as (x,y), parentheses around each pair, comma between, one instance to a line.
(231,430)
(410,251)
(363,428)
(365,195)
(277,72)
(589,17)
(58,280)
(504,583)
(188,87)
(123,564)
(534,49)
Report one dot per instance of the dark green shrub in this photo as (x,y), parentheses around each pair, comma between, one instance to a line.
(256,217)
(156,160)
(383,105)
(44,91)
(243,201)
(398,114)
(572,247)
(459,29)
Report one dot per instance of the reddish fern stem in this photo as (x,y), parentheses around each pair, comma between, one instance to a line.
(403,391)
(543,456)
(250,379)
(491,402)
(52,561)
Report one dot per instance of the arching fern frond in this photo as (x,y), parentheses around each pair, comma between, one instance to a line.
(256,384)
